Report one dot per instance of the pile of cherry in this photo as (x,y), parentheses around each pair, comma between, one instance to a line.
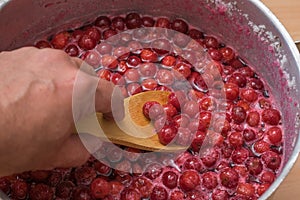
(244,138)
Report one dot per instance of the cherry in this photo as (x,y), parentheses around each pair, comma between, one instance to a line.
(130,194)
(169,179)
(167,134)
(109,33)
(229,178)
(19,189)
(143,185)
(84,175)
(104,74)
(210,157)
(104,48)
(192,163)
(64,189)
(163,23)
(94,33)
(211,42)
(168,61)
(173,100)
(254,166)
(183,136)
(165,77)
(231,91)
(249,95)
(134,88)
(256,84)
(118,23)
(72,50)
(41,191)
(132,75)
(159,193)
(220,195)
(180,26)
(92,58)
(147,69)
(247,71)
(261,146)
(253,118)
(102,168)
(209,180)
(215,54)
(238,114)
(103,22)
(148,55)
(274,134)
(153,171)
(271,116)
(170,110)
(246,189)
(177,195)
(189,180)
(40,175)
(117,79)
(249,135)
(87,42)
(272,160)
(195,195)
(42,44)
(60,40)
(267,177)
(227,150)
(149,84)
(195,34)
(5,185)
(100,188)
(181,40)
(183,69)
(240,155)
(236,139)
(238,79)
(77,34)
(155,112)
(198,140)
(116,187)
(228,54)
(237,63)
(262,188)
(161,46)
(133,20)
(148,21)
(191,108)
(82,193)
(133,61)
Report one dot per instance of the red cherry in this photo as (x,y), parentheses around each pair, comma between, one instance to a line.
(210,158)
(274,134)
(72,50)
(167,134)
(103,22)
(169,179)
(109,33)
(253,118)
(85,175)
(249,135)
(104,48)
(238,114)
(134,88)
(228,54)
(102,168)
(254,166)
(177,195)
(195,34)
(132,75)
(117,79)
(209,180)
(183,136)
(133,61)
(180,26)
(60,40)
(249,95)
(104,74)
(189,180)
(148,21)
(159,193)
(240,155)
(229,178)
(153,171)
(147,107)
(267,177)
(42,44)
(143,185)
(94,33)
(19,189)
(220,195)
(192,163)
(165,77)
(64,189)
(148,55)
(231,91)
(40,175)
(261,146)
(163,23)
(149,84)
(168,61)
(130,194)
(262,188)
(211,42)
(133,20)
(100,188)
(256,84)
(41,191)
(118,23)
(183,69)
(87,42)
(272,160)
(190,108)
(271,116)
(246,189)
(170,110)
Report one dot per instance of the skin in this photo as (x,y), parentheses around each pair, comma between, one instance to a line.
(36,116)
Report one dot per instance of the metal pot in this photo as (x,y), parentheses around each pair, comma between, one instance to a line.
(246,25)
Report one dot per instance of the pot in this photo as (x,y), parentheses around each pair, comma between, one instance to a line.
(246,25)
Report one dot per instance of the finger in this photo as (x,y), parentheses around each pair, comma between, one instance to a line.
(109,100)
(72,153)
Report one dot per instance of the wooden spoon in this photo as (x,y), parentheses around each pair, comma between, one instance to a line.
(135,130)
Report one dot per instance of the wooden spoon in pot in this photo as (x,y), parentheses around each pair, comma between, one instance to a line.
(135,130)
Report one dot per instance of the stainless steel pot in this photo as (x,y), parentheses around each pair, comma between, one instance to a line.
(246,25)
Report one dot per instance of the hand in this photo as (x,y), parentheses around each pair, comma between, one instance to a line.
(36,118)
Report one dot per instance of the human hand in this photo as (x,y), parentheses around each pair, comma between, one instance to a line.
(36,118)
